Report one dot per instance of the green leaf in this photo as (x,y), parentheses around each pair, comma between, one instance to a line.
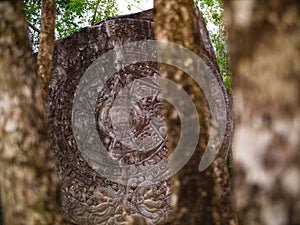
(71,15)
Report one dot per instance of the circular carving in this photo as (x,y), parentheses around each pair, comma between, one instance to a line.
(87,196)
(112,160)
(129,115)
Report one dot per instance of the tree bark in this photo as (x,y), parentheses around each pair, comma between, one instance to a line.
(202,197)
(27,173)
(264,42)
(46,42)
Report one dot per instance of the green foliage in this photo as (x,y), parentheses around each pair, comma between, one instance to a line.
(228,82)
(230,163)
(135,5)
(212,11)
(33,15)
(71,15)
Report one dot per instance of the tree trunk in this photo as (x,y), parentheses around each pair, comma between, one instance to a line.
(27,173)
(202,197)
(46,42)
(265,56)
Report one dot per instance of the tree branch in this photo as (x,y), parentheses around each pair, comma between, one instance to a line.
(95,13)
(33,27)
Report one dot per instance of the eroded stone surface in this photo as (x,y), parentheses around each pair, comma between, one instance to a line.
(87,197)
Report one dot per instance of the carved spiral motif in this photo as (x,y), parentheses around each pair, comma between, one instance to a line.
(140,127)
